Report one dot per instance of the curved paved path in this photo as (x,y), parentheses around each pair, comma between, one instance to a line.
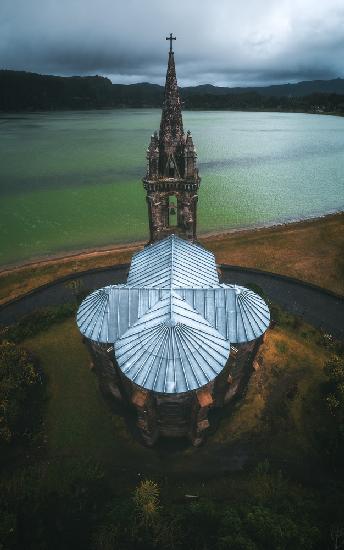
(317,306)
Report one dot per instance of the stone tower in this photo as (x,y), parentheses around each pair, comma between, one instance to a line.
(172,179)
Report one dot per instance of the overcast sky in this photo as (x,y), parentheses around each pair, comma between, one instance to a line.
(222,42)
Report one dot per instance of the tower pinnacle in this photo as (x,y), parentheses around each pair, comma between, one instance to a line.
(171,125)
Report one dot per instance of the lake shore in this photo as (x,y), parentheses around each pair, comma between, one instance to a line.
(310,250)
(124,248)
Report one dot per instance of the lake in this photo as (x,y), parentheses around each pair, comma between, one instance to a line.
(72,180)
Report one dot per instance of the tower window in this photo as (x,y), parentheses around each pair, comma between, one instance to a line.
(172,207)
(171,169)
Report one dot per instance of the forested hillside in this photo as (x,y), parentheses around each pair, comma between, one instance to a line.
(23,91)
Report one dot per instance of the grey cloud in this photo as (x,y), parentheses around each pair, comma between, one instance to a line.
(220,41)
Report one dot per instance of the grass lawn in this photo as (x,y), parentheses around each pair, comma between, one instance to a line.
(276,417)
(263,457)
(280,412)
(78,421)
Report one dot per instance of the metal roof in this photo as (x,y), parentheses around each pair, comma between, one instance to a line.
(237,313)
(172,324)
(175,263)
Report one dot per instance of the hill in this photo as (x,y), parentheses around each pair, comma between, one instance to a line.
(299,89)
(24,91)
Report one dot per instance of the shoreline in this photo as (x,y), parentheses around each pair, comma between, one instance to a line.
(186,109)
(89,253)
(310,250)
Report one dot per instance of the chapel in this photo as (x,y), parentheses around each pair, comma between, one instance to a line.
(173,342)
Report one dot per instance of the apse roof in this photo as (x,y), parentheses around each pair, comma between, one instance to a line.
(172,324)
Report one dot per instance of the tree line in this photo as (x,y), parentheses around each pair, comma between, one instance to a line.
(23,91)
(68,503)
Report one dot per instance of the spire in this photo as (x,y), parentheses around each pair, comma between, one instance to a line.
(171,126)
(172,178)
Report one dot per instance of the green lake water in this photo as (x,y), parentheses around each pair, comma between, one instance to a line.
(72,180)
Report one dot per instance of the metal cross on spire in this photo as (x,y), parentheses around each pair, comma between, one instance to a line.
(170,38)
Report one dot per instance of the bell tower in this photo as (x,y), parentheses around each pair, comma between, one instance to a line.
(172,179)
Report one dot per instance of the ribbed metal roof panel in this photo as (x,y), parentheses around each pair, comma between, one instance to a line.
(173,262)
(108,312)
(238,313)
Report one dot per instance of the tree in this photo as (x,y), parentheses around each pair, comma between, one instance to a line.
(19,378)
(332,436)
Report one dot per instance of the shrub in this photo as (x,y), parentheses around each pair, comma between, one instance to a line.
(333,398)
(146,499)
(33,323)
(19,379)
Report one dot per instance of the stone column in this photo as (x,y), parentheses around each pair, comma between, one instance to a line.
(199,420)
(145,408)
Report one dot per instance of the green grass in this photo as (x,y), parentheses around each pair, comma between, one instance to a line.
(276,416)
(280,413)
(79,423)
(265,452)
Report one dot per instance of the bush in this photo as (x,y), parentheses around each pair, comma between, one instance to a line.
(31,324)
(333,399)
(19,380)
